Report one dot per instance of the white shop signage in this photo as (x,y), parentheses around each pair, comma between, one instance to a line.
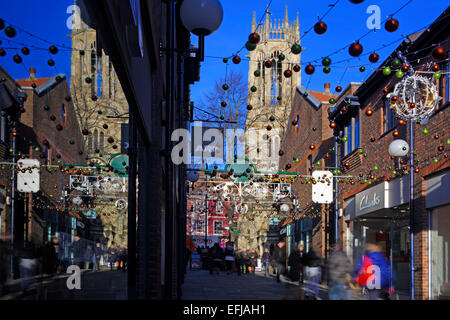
(372,199)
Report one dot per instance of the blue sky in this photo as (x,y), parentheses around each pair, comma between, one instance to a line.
(346,22)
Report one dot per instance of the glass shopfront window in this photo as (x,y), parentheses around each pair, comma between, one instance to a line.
(440,252)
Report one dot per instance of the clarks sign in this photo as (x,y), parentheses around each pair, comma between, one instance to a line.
(372,199)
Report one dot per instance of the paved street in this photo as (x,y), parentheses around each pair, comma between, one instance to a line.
(102,285)
(200,285)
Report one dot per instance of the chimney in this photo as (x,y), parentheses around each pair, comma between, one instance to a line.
(327,88)
(32,73)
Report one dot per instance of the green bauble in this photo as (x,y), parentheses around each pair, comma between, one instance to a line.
(253,88)
(314,129)
(296,49)
(448,142)
(375,168)
(362,69)
(305,94)
(387,71)
(257,73)
(345,139)
(437,75)
(326,70)
(279,98)
(281,57)
(332,101)
(396,63)
(250,46)
(435,160)
(326,62)
(425,131)
(225,87)
(399,74)
(225,60)
(272,118)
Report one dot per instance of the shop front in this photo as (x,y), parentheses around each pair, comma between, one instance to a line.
(437,202)
(380,215)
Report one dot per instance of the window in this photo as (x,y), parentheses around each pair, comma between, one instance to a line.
(351,132)
(218,227)
(199,225)
(90,142)
(63,113)
(99,76)
(389,121)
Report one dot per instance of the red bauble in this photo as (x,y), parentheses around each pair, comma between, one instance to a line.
(53,50)
(369,112)
(441,148)
(294,122)
(254,38)
(332,124)
(394,99)
(281,152)
(395,133)
(310,69)
(338,89)
(391,25)
(288,73)
(17,59)
(439,53)
(249,107)
(223,104)
(372,139)
(312,147)
(269,127)
(236,60)
(268,64)
(355,49)
(405,68)
(85,132)
(385,90)
(435,68)
(320,27)
(374,57)
(25,51)
(105,126)
(296,68)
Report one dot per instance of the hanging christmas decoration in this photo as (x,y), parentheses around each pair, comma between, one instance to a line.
(362,69)
(51,62)
(374,57)
(399,74)
(296,68)
(310,69)
(236,59)
(437,75)
(223,104)
(17,59)
(369,112)
(25,51)
(250,46)
(356,1)
(326,70)
(268,64)
(405,68)
(254,38)
(439,53)
(2,52)
(249,107)
(338,89)
(257,73)
(53,49)
(2,24)
(387,71)
(296,49)
(287,73)
(253,89)
(225,60)
(332,124)
(355,49)
(416,90)
(10,32)
(326,61)
(391,25)
(225,87)
(320,27)
(281,57)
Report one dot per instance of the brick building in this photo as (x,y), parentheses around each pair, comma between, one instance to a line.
(376,204)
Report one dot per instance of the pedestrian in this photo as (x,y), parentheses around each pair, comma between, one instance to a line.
(112,254)
(339,274)
(28,266)
(372,263)
(77,251)
(279,258)
(88,253)
(313,270)
(215,258)
(266,261)
(229,257)
(49,258)
(56,243)
(295,261)
(245,262)
(98,253)
(238,262)
(253,256)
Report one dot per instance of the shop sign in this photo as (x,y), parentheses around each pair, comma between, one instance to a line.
(372,199)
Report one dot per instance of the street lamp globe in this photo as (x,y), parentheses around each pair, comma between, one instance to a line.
(398,148)
(201,17)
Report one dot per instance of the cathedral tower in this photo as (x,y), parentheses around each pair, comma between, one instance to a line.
(271,102)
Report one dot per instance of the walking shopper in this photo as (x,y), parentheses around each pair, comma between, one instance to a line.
(112,253)
(313,270)
(28,266)
(216,258)
(253,256)
(246,261)
(229,257)
(374,262)
(88,256)
(295,261)
(98,253)
(279,258)
(339,273)
(49,258)
(266,261)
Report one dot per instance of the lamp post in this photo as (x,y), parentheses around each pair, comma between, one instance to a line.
(201,17)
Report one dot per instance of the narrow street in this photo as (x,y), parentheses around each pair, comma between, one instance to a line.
(200,285)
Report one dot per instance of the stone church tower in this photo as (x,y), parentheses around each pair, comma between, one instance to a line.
(101,109)
(271,106)
(271,102)
(97,95)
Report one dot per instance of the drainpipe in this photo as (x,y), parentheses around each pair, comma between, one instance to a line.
(411,204)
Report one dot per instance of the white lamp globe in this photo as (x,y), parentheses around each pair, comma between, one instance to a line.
(284,207)
(201,17)
(398,148)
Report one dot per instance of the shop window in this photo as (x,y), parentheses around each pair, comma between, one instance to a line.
(199,226)
(218,226)
(389,120)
